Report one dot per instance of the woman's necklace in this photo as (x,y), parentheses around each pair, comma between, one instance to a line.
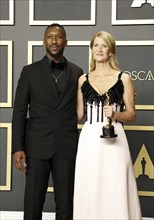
(56,78)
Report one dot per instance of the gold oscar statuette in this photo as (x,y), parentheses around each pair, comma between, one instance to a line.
(108,130)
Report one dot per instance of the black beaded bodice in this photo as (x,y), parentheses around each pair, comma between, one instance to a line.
(93,98)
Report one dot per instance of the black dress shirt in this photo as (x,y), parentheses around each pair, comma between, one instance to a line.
(58,71)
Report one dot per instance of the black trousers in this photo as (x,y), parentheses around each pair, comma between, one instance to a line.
(37,177)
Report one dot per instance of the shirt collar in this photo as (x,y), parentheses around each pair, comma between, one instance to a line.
(50,61)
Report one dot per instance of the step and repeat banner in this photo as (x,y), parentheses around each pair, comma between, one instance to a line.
(136,57)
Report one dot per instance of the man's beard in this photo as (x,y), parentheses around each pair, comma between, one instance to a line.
(55,55)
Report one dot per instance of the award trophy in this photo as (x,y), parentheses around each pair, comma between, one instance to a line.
(108,130)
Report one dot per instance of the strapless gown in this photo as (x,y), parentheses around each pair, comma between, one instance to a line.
(105,185)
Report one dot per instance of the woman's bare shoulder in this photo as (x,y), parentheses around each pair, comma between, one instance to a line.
(82,78)
(126,77)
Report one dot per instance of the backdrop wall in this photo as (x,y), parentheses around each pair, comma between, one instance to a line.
(131,22)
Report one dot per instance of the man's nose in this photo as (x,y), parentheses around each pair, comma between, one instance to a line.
(54,39)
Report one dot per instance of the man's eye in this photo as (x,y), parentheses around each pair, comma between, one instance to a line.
(60,37)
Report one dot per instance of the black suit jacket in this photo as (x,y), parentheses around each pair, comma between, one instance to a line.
(52,118)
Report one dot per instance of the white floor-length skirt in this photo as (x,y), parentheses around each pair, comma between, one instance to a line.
(105,185)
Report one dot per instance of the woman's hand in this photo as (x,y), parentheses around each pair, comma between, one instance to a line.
(108,111)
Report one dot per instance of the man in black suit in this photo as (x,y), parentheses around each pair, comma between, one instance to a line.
(47,89)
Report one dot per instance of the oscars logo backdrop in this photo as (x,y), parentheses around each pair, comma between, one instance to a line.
(139,3)
(132,12)
(144,171)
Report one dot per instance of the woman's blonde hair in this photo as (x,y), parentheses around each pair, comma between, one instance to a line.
(110,42)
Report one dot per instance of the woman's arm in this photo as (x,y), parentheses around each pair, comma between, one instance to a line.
(129,114)
(80,104)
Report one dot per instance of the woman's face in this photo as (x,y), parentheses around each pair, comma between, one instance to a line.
(100,50)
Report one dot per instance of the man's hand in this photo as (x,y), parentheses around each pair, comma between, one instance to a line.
(20,160)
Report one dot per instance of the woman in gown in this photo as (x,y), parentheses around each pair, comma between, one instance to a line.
(105,185)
